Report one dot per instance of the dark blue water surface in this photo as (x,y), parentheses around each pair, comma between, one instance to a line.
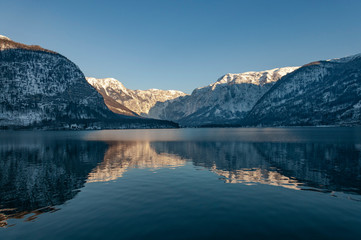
(262,183)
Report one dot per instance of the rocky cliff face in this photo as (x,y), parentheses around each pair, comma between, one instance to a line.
(225,101)
(134,102)
(319,93)
(41,88)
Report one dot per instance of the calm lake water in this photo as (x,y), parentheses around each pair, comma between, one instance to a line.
(253,183)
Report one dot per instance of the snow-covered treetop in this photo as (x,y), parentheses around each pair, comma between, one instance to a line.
(345,59)
(7,43)
(4,37)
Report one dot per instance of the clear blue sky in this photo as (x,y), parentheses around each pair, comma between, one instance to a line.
(185,44)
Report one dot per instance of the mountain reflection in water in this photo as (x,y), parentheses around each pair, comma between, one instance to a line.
(39,176)
(323,166)
(122,156)
(36,177)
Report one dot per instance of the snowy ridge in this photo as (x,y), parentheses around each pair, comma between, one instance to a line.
(107,83)
(257,78)
(345,59)
(138,101)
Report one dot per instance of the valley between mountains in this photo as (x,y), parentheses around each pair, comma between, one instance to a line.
(42,89)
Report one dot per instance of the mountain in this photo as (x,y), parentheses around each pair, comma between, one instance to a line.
(43,89)
(225,101)
(109,88)
(134,102)
(318,93)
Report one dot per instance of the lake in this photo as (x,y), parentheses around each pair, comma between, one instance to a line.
(232,183)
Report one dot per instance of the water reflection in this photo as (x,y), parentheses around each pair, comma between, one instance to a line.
(302,166)
(326,167)
(39,176)
(235,162)
(307,166)
(122,156)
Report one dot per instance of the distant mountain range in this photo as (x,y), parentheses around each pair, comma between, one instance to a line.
(43,89)
(319,93)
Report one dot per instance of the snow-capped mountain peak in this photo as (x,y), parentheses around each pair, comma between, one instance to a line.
(229,98)
(257,78)
(138,101)
(106,83)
